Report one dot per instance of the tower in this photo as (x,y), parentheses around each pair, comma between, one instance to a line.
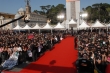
(73,10)
(28,7)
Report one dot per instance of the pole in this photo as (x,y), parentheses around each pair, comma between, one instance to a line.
(51,30)
(107,28)
(18,25)
(39,31)
(79,21)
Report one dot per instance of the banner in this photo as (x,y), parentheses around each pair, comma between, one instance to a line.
(30,36)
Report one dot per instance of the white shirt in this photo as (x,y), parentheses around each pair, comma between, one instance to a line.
(19,49)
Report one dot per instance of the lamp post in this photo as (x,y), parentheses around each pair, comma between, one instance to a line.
(60,17)
(82,16)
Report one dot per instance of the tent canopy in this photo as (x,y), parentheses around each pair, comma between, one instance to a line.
(84,25)
(108,25)
(59,26)
(17,27)
(63,23)
(47,26)
(72,22)
(98,24)
(36,26)
(26,27)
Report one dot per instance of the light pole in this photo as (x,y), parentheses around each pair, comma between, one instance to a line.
(82,16)
(60,17)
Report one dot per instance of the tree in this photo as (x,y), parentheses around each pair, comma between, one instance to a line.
(48,7)
(99,11)
(60,8)
(43,8)
(52,11)
(36,11)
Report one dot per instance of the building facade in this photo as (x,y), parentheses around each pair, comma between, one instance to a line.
(33,17)
(7,15)
(4,18)
(73,11)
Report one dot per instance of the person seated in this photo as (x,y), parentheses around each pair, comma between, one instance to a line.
(12,61)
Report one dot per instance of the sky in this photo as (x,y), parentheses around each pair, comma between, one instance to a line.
(12,6)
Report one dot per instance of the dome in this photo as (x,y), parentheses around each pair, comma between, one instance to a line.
(21,10)
(17,16)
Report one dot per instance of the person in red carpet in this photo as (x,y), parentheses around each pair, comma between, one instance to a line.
(75,40)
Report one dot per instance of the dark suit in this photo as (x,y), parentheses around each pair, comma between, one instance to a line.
(4,55)
(49,44)
(34,52)
(24,56)
(58,37)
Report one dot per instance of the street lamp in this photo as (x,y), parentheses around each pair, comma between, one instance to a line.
(60,17)
(83,15)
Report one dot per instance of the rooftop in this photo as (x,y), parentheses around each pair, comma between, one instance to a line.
(6,13)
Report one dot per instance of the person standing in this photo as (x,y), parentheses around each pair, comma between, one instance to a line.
(34,51)
(75,42)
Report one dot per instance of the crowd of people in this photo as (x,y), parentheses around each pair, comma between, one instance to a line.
(20,47)
(94,48)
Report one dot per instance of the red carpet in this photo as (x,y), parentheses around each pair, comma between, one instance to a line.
(60,59)
(108,69)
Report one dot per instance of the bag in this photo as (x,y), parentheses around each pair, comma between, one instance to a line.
(95,71)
